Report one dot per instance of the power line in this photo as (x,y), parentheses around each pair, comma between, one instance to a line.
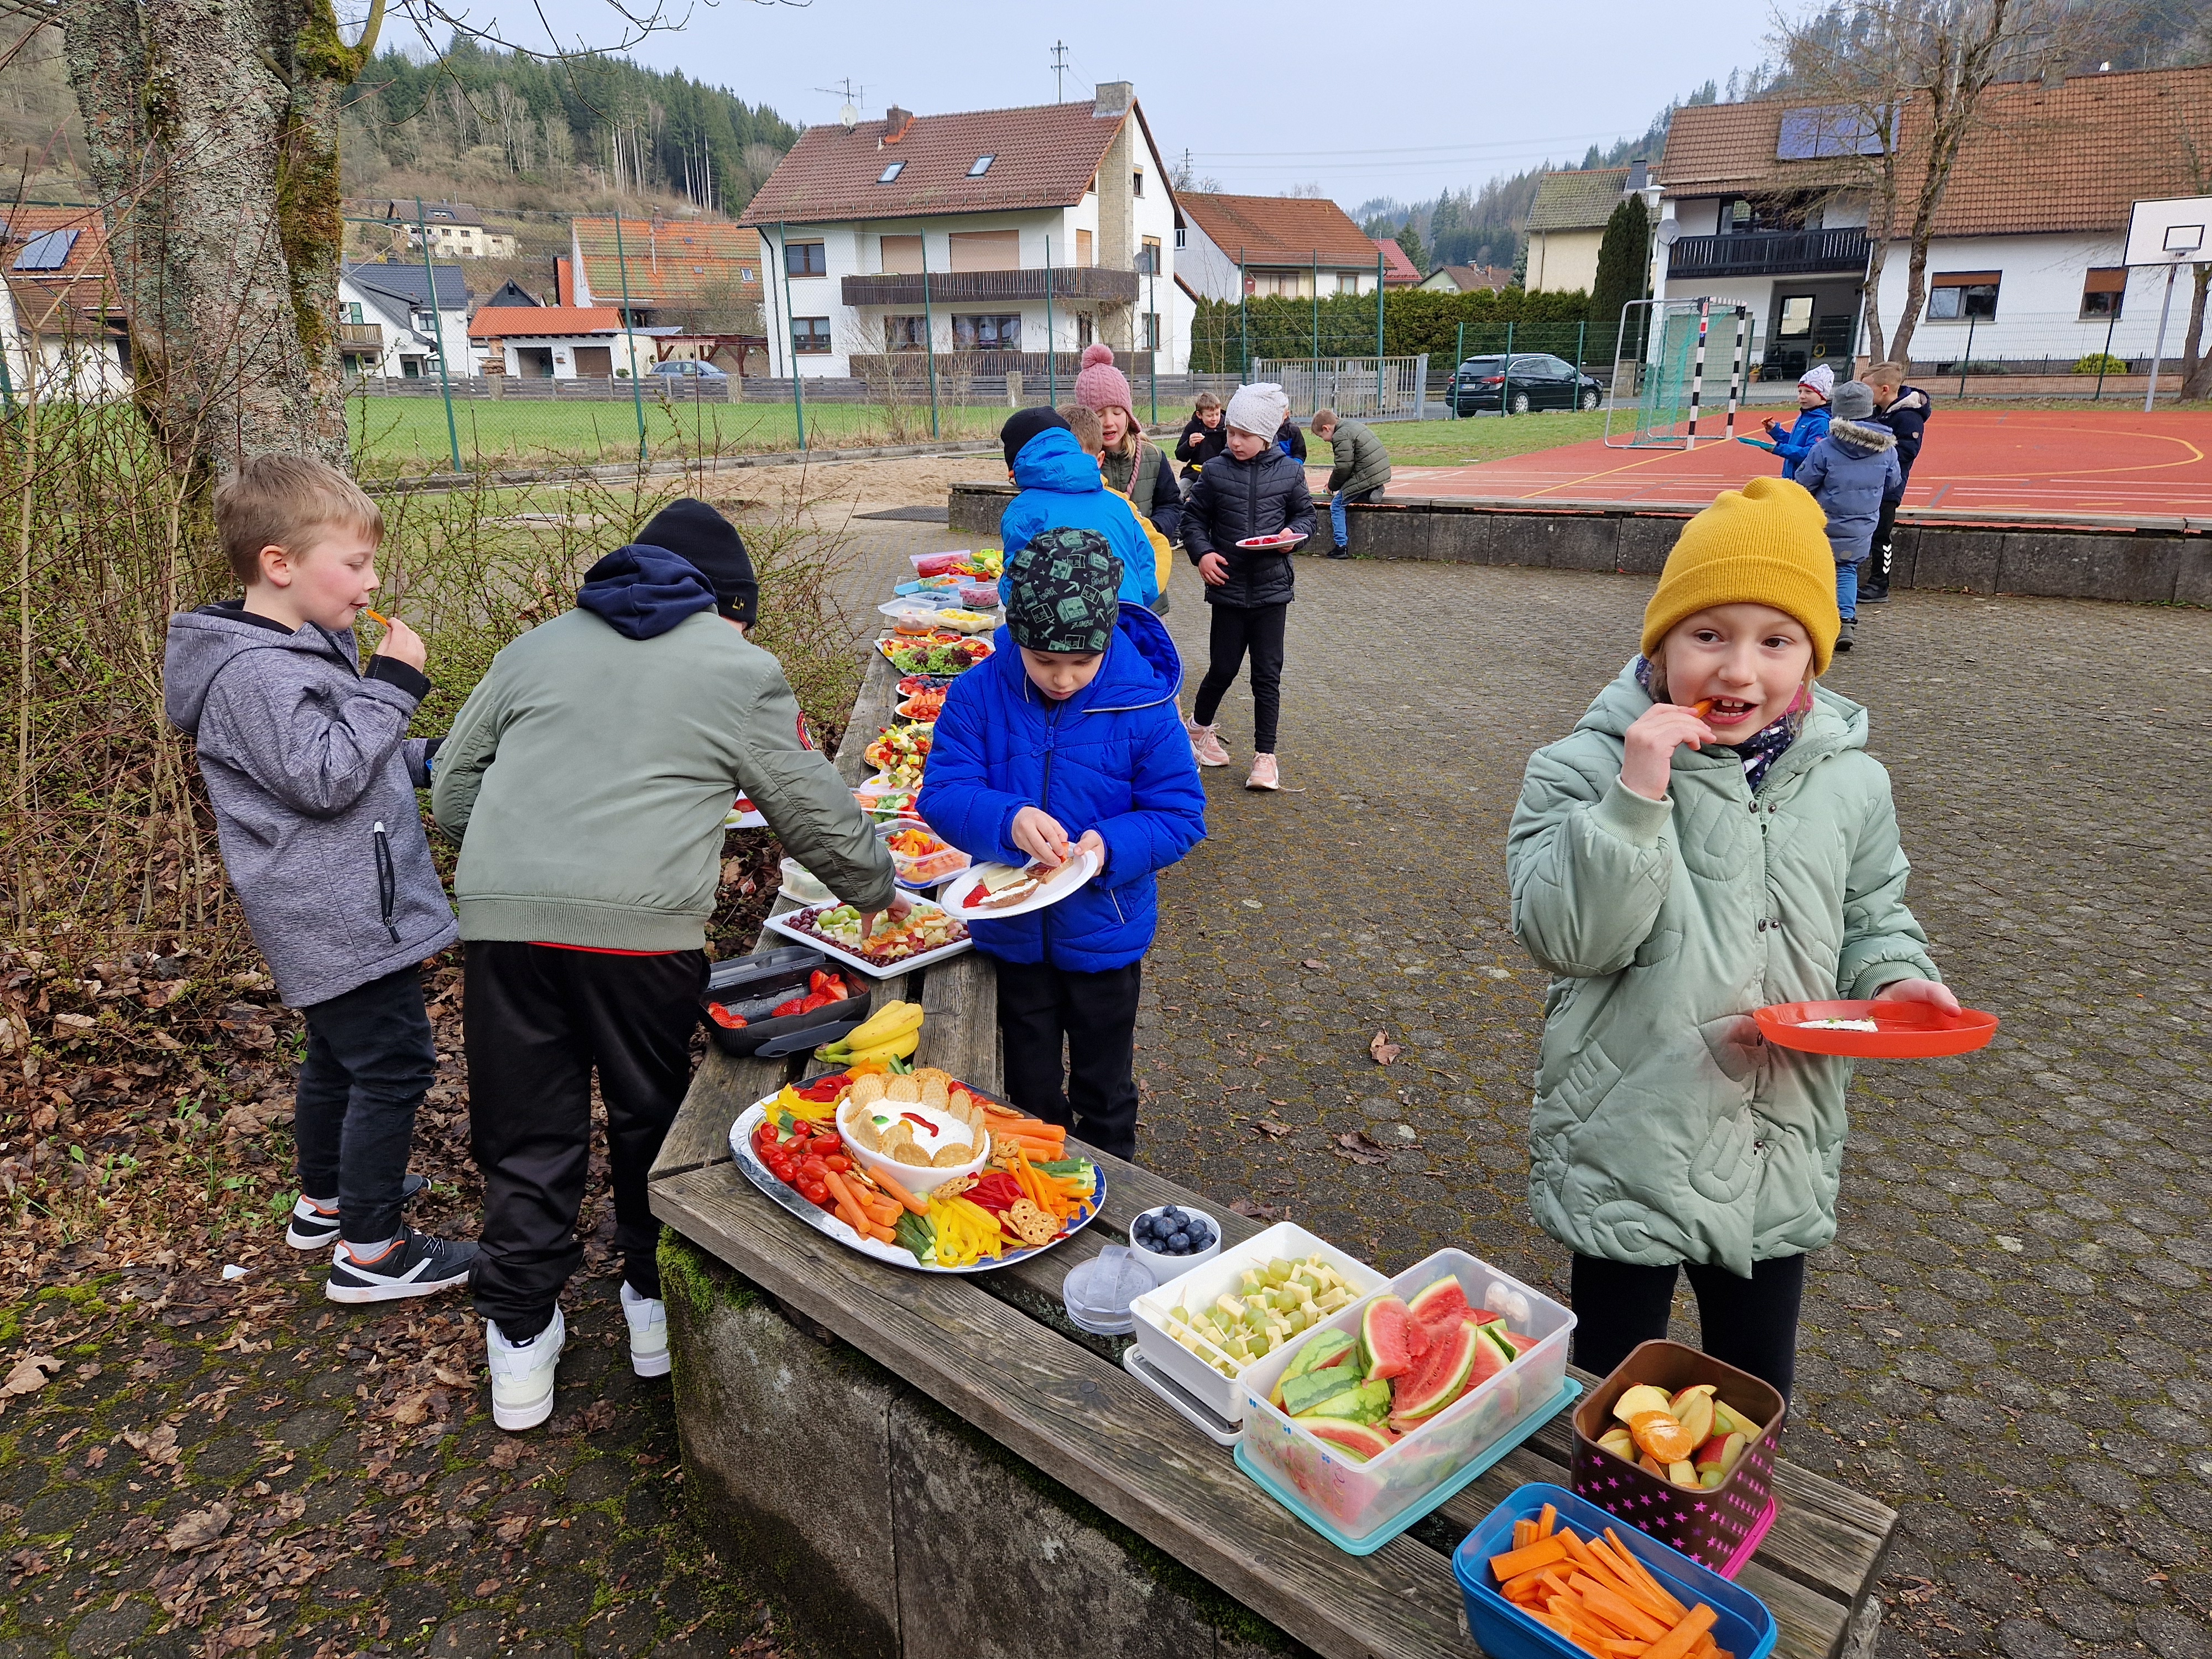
(1409,149)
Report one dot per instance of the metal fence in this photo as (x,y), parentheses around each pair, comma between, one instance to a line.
(1365,388)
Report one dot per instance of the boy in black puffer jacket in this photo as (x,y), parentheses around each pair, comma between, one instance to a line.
(1254,489)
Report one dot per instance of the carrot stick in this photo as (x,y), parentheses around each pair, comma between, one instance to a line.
(1513,1562)
(1585,1558)
(847,1205)
(1514,1588)
(1617,1609)
(899,1193)
(1703,706)
(1634,1568)
(1549,1521)
(1524,1533)
(1605,1567)
(376,615)
(1678,1641)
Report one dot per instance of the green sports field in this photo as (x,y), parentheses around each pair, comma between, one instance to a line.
(409,434)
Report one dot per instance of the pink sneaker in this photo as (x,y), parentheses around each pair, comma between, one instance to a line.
(1206,742)
(1264,774)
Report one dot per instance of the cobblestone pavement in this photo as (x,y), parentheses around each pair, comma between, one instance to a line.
(2007,1341)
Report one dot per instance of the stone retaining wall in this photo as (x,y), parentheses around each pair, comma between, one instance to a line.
(892,1529)
(2144,565)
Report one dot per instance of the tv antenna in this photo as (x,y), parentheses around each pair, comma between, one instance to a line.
(849,115)
(1058,71)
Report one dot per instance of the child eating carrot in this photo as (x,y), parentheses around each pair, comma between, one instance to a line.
(1712,837)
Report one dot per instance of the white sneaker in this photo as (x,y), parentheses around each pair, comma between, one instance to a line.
(522,1374)
(649,1332)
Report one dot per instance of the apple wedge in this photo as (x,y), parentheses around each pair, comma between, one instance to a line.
(1683,1474)
(1721,1452)
(1634,1402)
(1730,1422)
(1693,1407)
(1617,1442)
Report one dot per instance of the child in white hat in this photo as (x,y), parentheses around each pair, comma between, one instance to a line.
(1254,490)
(1793,443)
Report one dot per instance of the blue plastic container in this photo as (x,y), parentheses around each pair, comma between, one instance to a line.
(1744,1627)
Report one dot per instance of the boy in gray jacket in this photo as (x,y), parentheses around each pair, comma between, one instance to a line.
(1854,475)
(586,779)
(313,780)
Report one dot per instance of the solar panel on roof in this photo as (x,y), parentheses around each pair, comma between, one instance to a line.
(48,252)
(1810,135)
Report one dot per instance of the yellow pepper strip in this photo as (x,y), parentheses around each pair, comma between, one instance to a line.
(810,1111)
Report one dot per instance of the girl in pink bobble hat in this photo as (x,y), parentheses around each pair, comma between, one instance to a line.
(1133,465)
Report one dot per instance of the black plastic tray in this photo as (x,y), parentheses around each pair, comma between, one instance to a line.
(768,973)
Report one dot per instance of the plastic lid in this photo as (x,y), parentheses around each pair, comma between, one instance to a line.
(1098,1292)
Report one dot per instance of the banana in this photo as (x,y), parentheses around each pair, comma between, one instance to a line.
(892,1020)
(897,1048)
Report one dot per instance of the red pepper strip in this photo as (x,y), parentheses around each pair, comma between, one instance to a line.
(920,1123)
(824,1088)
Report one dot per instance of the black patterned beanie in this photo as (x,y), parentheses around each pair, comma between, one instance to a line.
(1065,586)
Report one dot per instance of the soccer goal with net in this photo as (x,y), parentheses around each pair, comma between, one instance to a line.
(1696,357)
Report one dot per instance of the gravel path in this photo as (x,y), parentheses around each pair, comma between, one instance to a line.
(2007,1341)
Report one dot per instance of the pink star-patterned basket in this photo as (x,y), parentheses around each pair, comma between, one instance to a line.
(1722,1527)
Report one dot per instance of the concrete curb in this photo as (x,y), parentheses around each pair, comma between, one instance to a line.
(2055,555)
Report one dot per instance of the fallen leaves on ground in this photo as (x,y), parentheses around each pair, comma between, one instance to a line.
(1354,1147)
(1268,1127)
(1384,1049)
(200,1529)
(30,1374)
(1253,1210)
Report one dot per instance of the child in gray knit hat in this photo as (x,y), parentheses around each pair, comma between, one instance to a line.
(1853,473)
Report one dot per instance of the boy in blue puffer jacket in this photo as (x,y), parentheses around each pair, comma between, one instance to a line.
(1062,487)
(1066,742)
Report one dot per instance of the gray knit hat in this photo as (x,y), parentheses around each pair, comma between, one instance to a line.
(1065,592)
(1853,401)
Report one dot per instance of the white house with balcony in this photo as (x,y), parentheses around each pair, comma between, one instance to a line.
(1764,205)
(390,330)
(1289,247)
(984,239)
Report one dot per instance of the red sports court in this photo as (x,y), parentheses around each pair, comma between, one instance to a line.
(2105,462)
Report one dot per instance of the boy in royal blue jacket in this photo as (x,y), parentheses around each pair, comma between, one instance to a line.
(1065,742)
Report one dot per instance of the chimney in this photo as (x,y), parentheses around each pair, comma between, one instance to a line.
(1640,174)
(564,283)
(1113,97)
(896,122)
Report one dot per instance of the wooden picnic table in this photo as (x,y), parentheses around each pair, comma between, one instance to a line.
(997,1351)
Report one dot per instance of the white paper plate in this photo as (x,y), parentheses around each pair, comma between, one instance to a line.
(1263,543)
(1064,881)
(738,818)
(897,1255)
(788,924)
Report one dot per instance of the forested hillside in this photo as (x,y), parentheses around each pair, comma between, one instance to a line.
(501,128)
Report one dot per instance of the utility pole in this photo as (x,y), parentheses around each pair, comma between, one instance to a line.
(1058,71)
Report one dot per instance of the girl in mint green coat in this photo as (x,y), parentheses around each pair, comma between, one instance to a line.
(1711,837)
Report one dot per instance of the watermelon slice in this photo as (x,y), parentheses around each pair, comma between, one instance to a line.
(1521,1344)
(1444,1373)
(1391,1336)
(1444,1303)
(1359,1441)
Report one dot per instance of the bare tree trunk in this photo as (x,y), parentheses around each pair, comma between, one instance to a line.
(2196,365)
(212,129)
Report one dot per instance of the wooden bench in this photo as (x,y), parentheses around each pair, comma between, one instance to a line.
(939,1465)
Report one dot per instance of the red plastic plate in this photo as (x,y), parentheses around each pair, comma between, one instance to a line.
(1286,539)
(1905,1030)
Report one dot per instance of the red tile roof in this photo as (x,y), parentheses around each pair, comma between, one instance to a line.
(670,261)
(1047,155)
(494,322)
(2065,157)
(88,255)
(1398,270)
(1280,230)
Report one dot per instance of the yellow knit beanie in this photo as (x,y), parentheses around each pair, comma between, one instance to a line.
(1767,544)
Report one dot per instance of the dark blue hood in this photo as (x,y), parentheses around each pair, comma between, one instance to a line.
(641,591)
(1054,461)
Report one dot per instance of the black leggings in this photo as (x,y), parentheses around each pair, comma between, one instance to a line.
(1236,630)
(1749,1323)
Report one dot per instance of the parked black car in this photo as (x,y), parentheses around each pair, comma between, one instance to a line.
(1535,380)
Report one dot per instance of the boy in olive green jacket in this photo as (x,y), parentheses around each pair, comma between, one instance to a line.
(1710,838)
(586,780)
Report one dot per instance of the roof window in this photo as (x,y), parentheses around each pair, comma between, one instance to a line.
(890,172)
(982,165)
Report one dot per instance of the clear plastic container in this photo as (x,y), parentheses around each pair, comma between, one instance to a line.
(802,886)
(1360,1497)
(921,869)
(1222,1395)
(1098,1292)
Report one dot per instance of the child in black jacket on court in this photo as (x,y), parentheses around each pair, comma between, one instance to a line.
(1252,490)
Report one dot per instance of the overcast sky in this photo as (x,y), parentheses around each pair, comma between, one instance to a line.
(1265,96)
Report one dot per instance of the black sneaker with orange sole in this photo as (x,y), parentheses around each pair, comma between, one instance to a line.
(413,1264)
